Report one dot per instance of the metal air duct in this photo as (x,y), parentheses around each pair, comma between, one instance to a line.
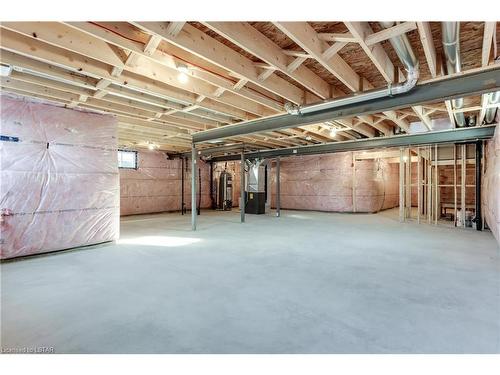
(451,48)
(365,96)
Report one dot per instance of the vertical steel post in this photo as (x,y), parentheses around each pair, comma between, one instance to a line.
(455,184)
(401,185)
(479,155)
(436,187)
(419,185)
(194,158)
(242,183)
(408,184)
(463,182)
(429,184)
(354,203)
(278,190)
(182,185)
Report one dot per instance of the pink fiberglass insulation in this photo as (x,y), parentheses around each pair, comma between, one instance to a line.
(491,185)
(156,185)
(325,183)
(59,178)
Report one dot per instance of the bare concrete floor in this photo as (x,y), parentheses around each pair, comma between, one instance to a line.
(307,282)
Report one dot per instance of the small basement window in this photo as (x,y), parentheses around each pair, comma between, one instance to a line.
(127,159)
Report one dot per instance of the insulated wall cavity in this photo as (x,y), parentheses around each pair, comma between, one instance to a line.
(59,178)
(329,182)
(491,185)
(156,185)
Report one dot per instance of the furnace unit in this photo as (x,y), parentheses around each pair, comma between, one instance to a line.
(255,187)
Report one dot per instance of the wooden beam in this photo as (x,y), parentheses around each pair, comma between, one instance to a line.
(489,30)
(361,31)
(424,31)
(174,28)
(168,60)
(390,32)
(201,44)
(149,78)
(419,111)
(337,37)
(152,44)
(250,39)
(307,38)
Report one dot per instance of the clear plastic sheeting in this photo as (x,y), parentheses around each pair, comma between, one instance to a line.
(491,185)
(325,183)
(59,178)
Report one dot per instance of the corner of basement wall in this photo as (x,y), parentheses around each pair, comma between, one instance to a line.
(491,185)
(156,185)
(325,183)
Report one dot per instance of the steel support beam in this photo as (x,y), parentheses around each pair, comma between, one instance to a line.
(451,87)
(194,157)
(446,136)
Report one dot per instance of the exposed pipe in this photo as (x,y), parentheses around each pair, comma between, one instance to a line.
(411,66)
(451,48)
(493,99)
(444,88)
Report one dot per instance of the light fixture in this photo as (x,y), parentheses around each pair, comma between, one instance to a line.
(308,138)
(333,132)
(5,70)
(152,146)
(405,158)
(183,72)
(183,77)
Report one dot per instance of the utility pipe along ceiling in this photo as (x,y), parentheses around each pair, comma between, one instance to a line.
(456,86)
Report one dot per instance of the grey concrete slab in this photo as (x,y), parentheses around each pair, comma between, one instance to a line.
(307,282)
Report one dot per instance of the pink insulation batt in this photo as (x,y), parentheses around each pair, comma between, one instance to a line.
(156,184)
(325,183)
(491,185)
(59,181)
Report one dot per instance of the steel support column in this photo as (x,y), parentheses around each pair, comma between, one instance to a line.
(242,189)
(479,155)
(194,158)
(278,188)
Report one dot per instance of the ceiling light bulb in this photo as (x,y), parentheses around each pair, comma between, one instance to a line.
(183,77)
(183,68)
(333,132)
(151,146)
(5,70)
(405,158)
(308,138)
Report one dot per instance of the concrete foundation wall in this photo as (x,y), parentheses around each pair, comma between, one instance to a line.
(325,183)
(156,185)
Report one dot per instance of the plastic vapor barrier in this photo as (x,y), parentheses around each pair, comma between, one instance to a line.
(59,178)
(491,185)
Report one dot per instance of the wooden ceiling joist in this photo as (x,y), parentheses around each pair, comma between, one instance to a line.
(231,72)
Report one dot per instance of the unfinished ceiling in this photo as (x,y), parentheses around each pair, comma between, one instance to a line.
(166,80)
